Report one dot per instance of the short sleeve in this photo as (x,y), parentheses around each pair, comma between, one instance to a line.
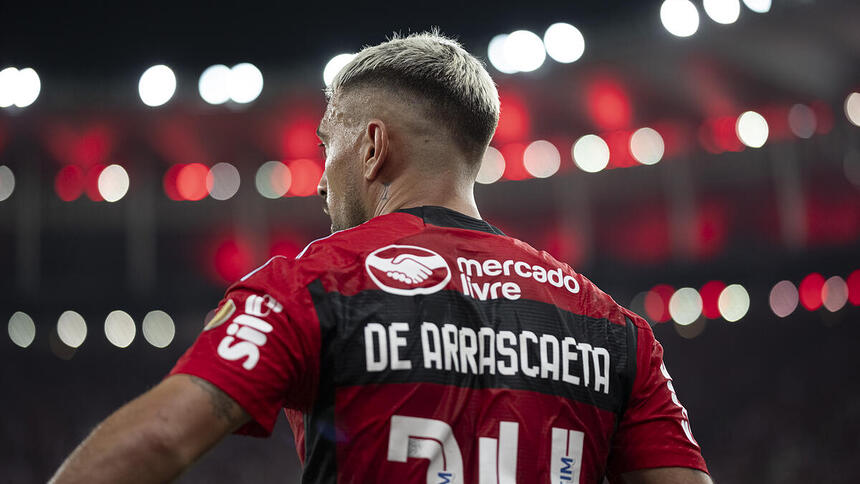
(654,430)
(261,348)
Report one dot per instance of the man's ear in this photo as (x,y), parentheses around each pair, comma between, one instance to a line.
(376,152)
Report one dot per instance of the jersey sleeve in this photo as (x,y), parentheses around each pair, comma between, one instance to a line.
(654,430)
(261,348)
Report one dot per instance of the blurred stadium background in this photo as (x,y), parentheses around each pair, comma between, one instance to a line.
(700,161)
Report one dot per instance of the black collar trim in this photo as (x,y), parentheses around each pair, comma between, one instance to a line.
(445,217)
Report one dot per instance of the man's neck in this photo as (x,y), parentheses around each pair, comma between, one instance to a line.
(417,193)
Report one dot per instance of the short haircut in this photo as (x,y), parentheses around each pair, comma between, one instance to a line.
(455,86)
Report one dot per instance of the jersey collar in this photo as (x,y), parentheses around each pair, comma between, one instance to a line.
(445,217)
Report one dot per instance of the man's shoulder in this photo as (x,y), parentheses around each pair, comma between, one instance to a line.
(360,239)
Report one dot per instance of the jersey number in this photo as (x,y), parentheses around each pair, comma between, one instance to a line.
(433,440)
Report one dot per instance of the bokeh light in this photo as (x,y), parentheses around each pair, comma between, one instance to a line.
(646,146)
(72,329)
(810,291)
(113,183)
(758,6)
(723,11)
(22,330)
(69,183)
(852,108)
(710,293)
(801,121)
(541,159)
(685,306)
(7,182)
(214,84)
(334,66)
(305,177)
(834,294)
(657,302)
(157,85)
(119,328)
(191,181)
(752,129)
(853,283)
(8,86)
(524,50)
(19,87)
(591,153)
(158,328)
(492,166)
(783,298)
(679,17)
(564,42)
(246,83)
(734,302)
(222,181)
(498,57)
(273,179)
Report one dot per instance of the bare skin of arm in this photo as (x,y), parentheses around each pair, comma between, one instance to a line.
(667,475)
(156,436)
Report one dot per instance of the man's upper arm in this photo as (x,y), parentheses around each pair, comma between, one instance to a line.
(654,430)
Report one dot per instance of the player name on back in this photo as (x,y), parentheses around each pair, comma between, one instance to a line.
(451,348)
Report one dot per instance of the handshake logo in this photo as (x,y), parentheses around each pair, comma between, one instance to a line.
(407,270)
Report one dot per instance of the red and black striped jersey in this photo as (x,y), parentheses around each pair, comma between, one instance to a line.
(427,346)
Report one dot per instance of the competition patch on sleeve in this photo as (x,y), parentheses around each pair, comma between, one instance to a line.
(223,314)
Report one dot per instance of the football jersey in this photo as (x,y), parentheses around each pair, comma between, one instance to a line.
(425,346)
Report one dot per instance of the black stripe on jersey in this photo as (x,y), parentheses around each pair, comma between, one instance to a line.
(630,375)
(320,465)
(353,313)
(445,217)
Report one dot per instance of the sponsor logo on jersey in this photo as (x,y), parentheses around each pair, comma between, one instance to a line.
(407,270)
(247,333)
(223,314)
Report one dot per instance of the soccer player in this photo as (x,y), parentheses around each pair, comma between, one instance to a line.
(417,343)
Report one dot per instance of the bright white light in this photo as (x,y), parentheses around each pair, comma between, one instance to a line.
(679,17)
(498,57)
(723,11)
(113,183)
(29,87)
(334,66)
(524,50)
(541,159)
(8,86)
(758,6)
(801,120)
(119,328)
(19,87)
(273,179)
(783,298)
(157,85)
(492,166)
(752,129)
(72,329)
(734,302)
(214,84)
(22,330)
(852,108)
(647,146)
(685,306)
(834,294)
(158,328)
(246,83)
(591,153)
(7,182)
(222,181)
(564,42)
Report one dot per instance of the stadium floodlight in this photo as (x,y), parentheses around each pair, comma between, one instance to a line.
(646,145)
(723,11)
(497,56)
(157,85)
(679,17)
(246,83)
(758,6)
(214,84)
(852,108)
(752,129)
(591,153)
(564,42)
(334,66)
(524,50)
(541,159)
(20,88)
